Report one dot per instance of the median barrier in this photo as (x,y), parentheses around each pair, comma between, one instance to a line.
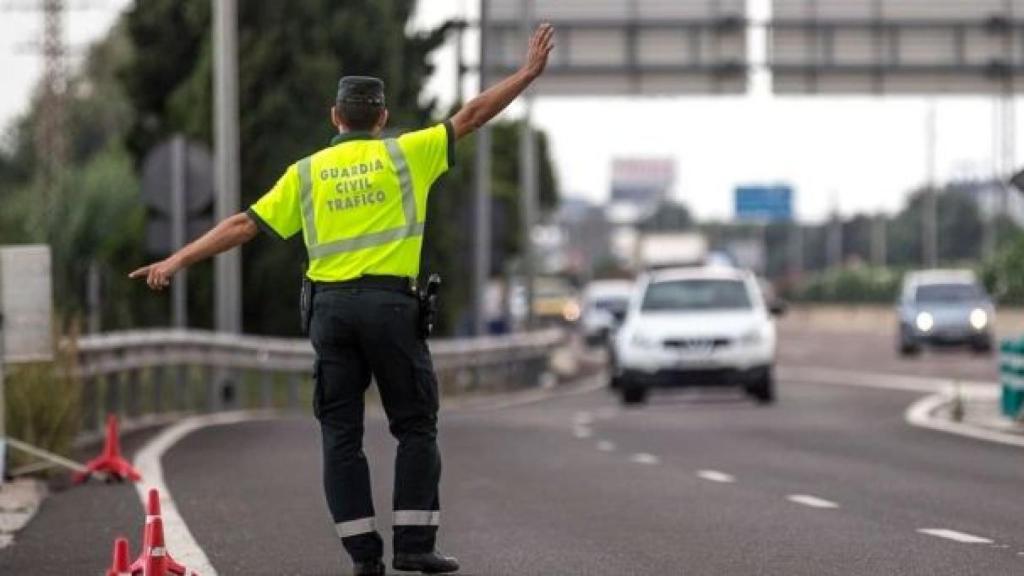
(152,376)
(1011,377)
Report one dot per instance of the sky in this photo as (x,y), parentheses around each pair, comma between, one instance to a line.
(846,154)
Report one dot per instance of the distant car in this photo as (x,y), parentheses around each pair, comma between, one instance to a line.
(706,326)
(555,301)
(944,308)
(604,308)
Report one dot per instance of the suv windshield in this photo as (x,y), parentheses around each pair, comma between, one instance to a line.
(697,295)
(949,293)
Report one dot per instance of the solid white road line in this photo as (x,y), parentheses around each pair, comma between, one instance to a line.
(955,536)
(605,446)
(716,476)
(644,458)
(920,414)
(179,539)
(811,501)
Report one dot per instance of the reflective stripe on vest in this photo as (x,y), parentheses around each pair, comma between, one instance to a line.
(370,239)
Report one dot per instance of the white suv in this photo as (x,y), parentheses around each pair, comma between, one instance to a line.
(696,327)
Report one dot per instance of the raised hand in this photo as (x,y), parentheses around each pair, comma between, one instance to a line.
(541,43)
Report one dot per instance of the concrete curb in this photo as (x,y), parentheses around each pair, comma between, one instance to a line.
(19,502)
(931,412)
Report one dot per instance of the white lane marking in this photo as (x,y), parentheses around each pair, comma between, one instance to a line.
(921,414)
(955,536)
(716,476)
(582,432)
(812,501)
(179,539)
(644,458)
(816,375)
(583,418)
(605,446)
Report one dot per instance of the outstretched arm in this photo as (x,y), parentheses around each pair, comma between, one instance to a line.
(230,232)
(493,100)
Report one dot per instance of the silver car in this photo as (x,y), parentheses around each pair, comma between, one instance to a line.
(944,308)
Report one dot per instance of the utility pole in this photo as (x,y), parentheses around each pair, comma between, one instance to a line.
(879,241)
(528,178)
(482,204)
(929,205)
(227,266)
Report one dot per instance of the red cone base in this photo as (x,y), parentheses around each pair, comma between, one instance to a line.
(155,560)
(110,462)
(119,566)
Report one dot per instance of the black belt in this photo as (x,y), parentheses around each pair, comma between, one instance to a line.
(397,283)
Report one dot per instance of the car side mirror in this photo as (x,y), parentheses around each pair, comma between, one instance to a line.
(778,308)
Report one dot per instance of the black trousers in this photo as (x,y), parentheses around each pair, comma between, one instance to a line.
(359,333)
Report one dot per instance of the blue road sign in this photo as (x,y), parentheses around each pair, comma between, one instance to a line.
(764,203)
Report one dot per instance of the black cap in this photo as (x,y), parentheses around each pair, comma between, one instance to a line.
(361,90)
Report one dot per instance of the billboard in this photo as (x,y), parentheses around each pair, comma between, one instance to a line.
(612,47)
(642,181)
(764,203)
(897,46)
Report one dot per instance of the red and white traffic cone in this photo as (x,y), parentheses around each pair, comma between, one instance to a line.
(154,550)
(110,462)
(170,567)
(119,566)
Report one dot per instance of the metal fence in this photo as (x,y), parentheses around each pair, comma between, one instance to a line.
(163,372)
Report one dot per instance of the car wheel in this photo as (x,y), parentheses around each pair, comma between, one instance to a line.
(633,395)
(763,389)
(983,346)
(908,347)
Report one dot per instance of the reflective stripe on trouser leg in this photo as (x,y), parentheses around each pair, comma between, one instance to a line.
(417,518)
(355,527)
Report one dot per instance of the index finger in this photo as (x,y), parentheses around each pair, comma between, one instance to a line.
(140,272)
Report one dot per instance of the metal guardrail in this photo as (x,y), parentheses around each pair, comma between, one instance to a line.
(154,372)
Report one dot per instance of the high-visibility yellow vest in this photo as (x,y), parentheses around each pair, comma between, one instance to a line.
(361,204)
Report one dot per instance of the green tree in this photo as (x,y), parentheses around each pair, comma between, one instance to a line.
(291,55)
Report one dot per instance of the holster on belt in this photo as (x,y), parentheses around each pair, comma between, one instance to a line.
(305,304)
(428,299)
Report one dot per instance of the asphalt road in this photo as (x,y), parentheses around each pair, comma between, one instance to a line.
(828,481)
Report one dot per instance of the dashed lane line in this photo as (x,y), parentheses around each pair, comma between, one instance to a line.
(954,535)
(644,458)
(812,501)
(582,432)
(716,476)
(605,446)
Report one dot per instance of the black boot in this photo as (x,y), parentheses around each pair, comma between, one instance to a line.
(371,568)
(427,563)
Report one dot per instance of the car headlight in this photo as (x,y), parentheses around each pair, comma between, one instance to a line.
(979,319)
(924,322)
(571,311)
(751,337)
(642,341)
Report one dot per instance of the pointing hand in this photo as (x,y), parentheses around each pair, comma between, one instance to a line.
(158,275)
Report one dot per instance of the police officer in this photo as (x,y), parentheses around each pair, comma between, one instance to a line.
(361,206)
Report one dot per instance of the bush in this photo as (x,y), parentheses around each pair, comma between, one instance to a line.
(1003,275)
(857,285)
(42,404)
